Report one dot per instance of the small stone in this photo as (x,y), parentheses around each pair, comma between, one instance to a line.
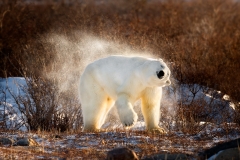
(6,141)
(57,136)
(27,142)
(196,138)
(121,154)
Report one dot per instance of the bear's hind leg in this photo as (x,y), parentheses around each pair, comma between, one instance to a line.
(92,117)
(94,105)
(96,112)
(109,104)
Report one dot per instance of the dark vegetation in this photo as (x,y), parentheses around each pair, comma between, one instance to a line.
(200,40)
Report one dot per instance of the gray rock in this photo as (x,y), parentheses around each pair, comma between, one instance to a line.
(163,156)
(27,142)
(232,153)
(222,146)
(121,154)
(6,141)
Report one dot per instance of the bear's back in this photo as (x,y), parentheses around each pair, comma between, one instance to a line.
(118,67)
(118,63)
(114,73)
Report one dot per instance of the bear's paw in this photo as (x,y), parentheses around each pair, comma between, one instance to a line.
(158,130)
(128,117)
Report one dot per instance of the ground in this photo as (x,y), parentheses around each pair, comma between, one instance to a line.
(82,145)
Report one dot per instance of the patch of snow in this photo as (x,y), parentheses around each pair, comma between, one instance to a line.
(209,101)
(140,125)
(71,137)
(10,88)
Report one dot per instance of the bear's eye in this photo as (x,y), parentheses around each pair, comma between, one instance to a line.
(160,74)
(162,66)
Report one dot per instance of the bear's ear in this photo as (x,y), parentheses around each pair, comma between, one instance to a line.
(160,59)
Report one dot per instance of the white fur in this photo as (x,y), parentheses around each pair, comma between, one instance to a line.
(121,81)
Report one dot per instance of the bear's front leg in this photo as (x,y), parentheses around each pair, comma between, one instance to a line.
(125,110)
(151,109)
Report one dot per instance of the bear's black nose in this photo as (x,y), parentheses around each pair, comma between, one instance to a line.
(160,74)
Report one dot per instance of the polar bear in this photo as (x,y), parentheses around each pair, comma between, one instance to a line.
(120,81)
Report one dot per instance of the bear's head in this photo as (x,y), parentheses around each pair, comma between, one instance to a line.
(156,73)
